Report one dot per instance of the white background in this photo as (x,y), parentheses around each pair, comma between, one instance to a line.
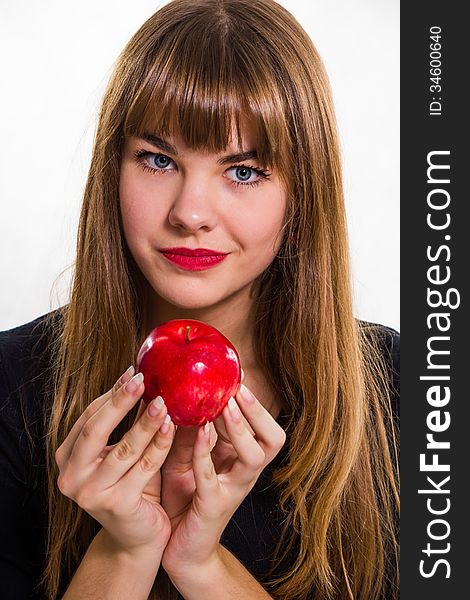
(55,60)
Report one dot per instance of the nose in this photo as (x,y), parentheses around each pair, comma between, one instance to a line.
(193,208)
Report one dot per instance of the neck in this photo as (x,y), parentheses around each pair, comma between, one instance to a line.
(233,317)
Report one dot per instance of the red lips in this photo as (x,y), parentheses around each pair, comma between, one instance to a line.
(198,259)
(192,252)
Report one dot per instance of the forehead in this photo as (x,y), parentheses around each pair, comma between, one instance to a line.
(234,129)
(237,141)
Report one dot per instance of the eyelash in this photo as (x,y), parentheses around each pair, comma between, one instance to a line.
(141,155)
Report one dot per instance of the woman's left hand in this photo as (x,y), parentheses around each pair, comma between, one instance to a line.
(200,491)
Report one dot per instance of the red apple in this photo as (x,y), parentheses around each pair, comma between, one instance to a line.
(192,366)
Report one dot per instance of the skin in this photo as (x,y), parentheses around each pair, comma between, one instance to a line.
(185,197)
(121,487)
(172,493)
(194,201)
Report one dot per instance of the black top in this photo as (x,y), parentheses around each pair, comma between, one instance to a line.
(251,534)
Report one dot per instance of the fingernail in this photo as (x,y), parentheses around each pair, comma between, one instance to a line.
(134,383)
(127,375)
(242,375)
(246,394)
(207,426)
(155,406)
(166,424)
(234,411)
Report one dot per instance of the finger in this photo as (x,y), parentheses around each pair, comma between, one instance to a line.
(104,453)
(129,450)
(64,451)
(145,475)
(251,457)
(219,426)
(268,433)
(213,436)
(97,429)
(254,453)
(142,406)
(223,452)
(180,457)
(205,476)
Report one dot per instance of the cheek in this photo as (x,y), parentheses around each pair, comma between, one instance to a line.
(129,214)
(261,230)
(139,210)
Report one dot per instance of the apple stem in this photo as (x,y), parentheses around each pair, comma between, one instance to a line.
(188,327)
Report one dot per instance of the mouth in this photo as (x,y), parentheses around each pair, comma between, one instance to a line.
(199,259)
(183,251)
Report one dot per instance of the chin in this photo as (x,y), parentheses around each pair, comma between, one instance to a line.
(189,299)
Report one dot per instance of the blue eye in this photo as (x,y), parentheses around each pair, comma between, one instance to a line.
(246,175)
(161,161)
(150,161)
(243,173)
(238,175)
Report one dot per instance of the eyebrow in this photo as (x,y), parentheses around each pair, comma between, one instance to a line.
(162,144)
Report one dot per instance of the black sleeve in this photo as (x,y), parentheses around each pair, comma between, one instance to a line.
(22,500)
(387,341)
(391,345)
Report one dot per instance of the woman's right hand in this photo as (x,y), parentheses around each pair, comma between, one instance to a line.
(119,485)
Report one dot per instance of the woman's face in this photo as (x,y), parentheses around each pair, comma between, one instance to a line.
(174,197)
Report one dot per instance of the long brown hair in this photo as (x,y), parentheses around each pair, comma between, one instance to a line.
(194,68)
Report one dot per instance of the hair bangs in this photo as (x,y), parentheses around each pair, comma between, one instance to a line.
(209,94)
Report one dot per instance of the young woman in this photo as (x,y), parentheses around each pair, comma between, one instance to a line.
(216,132)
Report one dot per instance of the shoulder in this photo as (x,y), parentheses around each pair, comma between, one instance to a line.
(25,350)
(387,341)
(386,338)
(28,335)
(25,363)
(25,353)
